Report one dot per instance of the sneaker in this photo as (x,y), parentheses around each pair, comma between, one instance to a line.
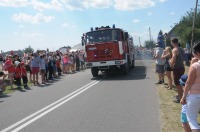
(19,88)
(159,82)
(176,101)
(176,97)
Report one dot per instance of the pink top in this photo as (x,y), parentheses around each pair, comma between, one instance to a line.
(65,60)
(195,88)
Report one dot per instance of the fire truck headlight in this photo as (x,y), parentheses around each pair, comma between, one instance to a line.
(118,62)
(89,64)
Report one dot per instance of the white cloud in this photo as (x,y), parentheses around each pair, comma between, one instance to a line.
(21,26)
(163,1)
(14,3)
(37,19)
(81,4)
(133,4)
(74,26)
(54,4)
(149,13)
(85,4)
(38,5)
(172,13)
(136,21)
(65,25)
(32,35)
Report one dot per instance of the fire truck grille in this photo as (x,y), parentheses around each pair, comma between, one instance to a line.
(101,54)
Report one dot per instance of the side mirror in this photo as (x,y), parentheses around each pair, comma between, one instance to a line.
(83,41)
(126,35)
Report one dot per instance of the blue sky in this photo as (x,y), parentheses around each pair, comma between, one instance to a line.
(55,23)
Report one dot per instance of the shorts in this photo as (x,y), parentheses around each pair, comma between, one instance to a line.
(160,68)
(28,68)
(184,118)
(42,70)
(167,68)
(178,72)
(35,70)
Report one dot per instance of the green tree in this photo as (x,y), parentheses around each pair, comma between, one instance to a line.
(29,49)
(183,29)
(149,44)
(160,33)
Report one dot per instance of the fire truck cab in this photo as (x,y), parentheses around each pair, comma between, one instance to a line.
(108,49)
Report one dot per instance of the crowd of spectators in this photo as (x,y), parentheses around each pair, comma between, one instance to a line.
(38,68)
(188,86)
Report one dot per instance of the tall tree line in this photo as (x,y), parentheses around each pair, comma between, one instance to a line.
(183,30)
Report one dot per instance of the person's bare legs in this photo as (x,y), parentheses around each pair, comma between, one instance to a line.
(186,127)
(11,76)
(37,78)
(169,77)
(179,90)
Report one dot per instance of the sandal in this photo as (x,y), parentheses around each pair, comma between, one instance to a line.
(170,88)
(166,86)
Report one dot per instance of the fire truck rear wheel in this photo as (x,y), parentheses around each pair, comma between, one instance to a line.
(94,71)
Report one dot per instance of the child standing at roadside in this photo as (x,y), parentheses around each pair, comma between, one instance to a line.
(184,120)
(24,75)
(17,74)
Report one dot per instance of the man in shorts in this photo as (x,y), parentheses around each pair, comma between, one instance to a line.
(159,63)
(177,65)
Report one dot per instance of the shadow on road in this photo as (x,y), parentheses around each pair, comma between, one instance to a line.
(4,96)
(138,73)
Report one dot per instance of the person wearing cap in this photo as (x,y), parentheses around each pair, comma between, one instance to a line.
(184,120)
(191,94)
(17,75)
(159,63)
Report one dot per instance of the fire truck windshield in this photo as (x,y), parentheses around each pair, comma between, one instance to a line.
(103,36)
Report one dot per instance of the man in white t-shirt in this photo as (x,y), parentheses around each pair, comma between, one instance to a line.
(159,63)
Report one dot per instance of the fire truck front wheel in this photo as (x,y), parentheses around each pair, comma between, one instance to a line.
(133,64)
(94,71)
(125,69)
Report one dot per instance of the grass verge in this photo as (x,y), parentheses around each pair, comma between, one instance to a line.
(9,90)
(170,111)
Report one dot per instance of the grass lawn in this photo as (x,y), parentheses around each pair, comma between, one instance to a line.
(170,111)
(8,88)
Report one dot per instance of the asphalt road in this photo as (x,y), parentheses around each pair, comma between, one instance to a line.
(80,103)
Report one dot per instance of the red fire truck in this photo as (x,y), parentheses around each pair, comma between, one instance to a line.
(108,49)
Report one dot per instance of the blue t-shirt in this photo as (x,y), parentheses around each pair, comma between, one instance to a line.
(35,62)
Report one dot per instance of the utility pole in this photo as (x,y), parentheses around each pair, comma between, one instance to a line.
(139,42)
(150,37)
(193,24)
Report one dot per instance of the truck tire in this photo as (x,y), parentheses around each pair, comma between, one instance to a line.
(125,69)
(94,71)
(133,64)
